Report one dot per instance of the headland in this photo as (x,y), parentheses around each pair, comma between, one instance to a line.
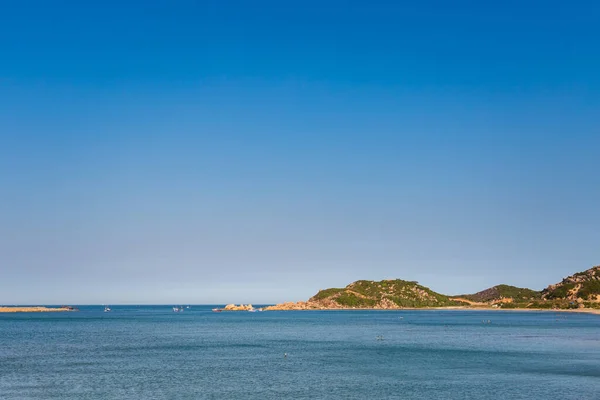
(579,292)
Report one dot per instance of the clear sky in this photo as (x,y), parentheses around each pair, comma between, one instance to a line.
(257,151)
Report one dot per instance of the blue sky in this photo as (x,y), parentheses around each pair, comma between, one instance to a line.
(212,152)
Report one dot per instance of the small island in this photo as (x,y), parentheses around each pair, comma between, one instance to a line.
(16,309)
(234,307)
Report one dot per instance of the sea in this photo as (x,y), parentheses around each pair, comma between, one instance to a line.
(151,352)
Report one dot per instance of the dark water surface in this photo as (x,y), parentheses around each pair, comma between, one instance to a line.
(150,352)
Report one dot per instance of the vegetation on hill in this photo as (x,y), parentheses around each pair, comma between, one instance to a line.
(382,294)
(323,294)
(580,290)
(582,285)
(500,292)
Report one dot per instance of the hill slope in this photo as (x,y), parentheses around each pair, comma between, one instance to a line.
(502,293)
(382,294)
(386,294)
(582,285)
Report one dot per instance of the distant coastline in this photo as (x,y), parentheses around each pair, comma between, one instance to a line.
(36,309)
(579,292)
(459,308)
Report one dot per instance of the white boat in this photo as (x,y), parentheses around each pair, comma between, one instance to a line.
(107,309)
(177,309)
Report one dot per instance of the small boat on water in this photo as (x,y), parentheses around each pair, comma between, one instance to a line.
(107,309)
(217,310)
(177,309)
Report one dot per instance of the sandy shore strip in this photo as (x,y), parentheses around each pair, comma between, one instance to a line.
(450,308)
(35,309)
(574,310)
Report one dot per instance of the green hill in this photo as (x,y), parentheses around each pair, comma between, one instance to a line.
(582,285)
(499,292)
(386,294)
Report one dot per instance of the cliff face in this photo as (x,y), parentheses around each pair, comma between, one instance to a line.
(582,285)
(386,294)
(503,294)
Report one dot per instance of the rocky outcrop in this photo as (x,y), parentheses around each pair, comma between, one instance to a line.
(300,305)
(241,307)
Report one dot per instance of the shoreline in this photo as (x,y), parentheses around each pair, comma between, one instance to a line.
(35,309)
(579,310)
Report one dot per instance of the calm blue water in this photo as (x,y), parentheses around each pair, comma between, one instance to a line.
(149,352)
